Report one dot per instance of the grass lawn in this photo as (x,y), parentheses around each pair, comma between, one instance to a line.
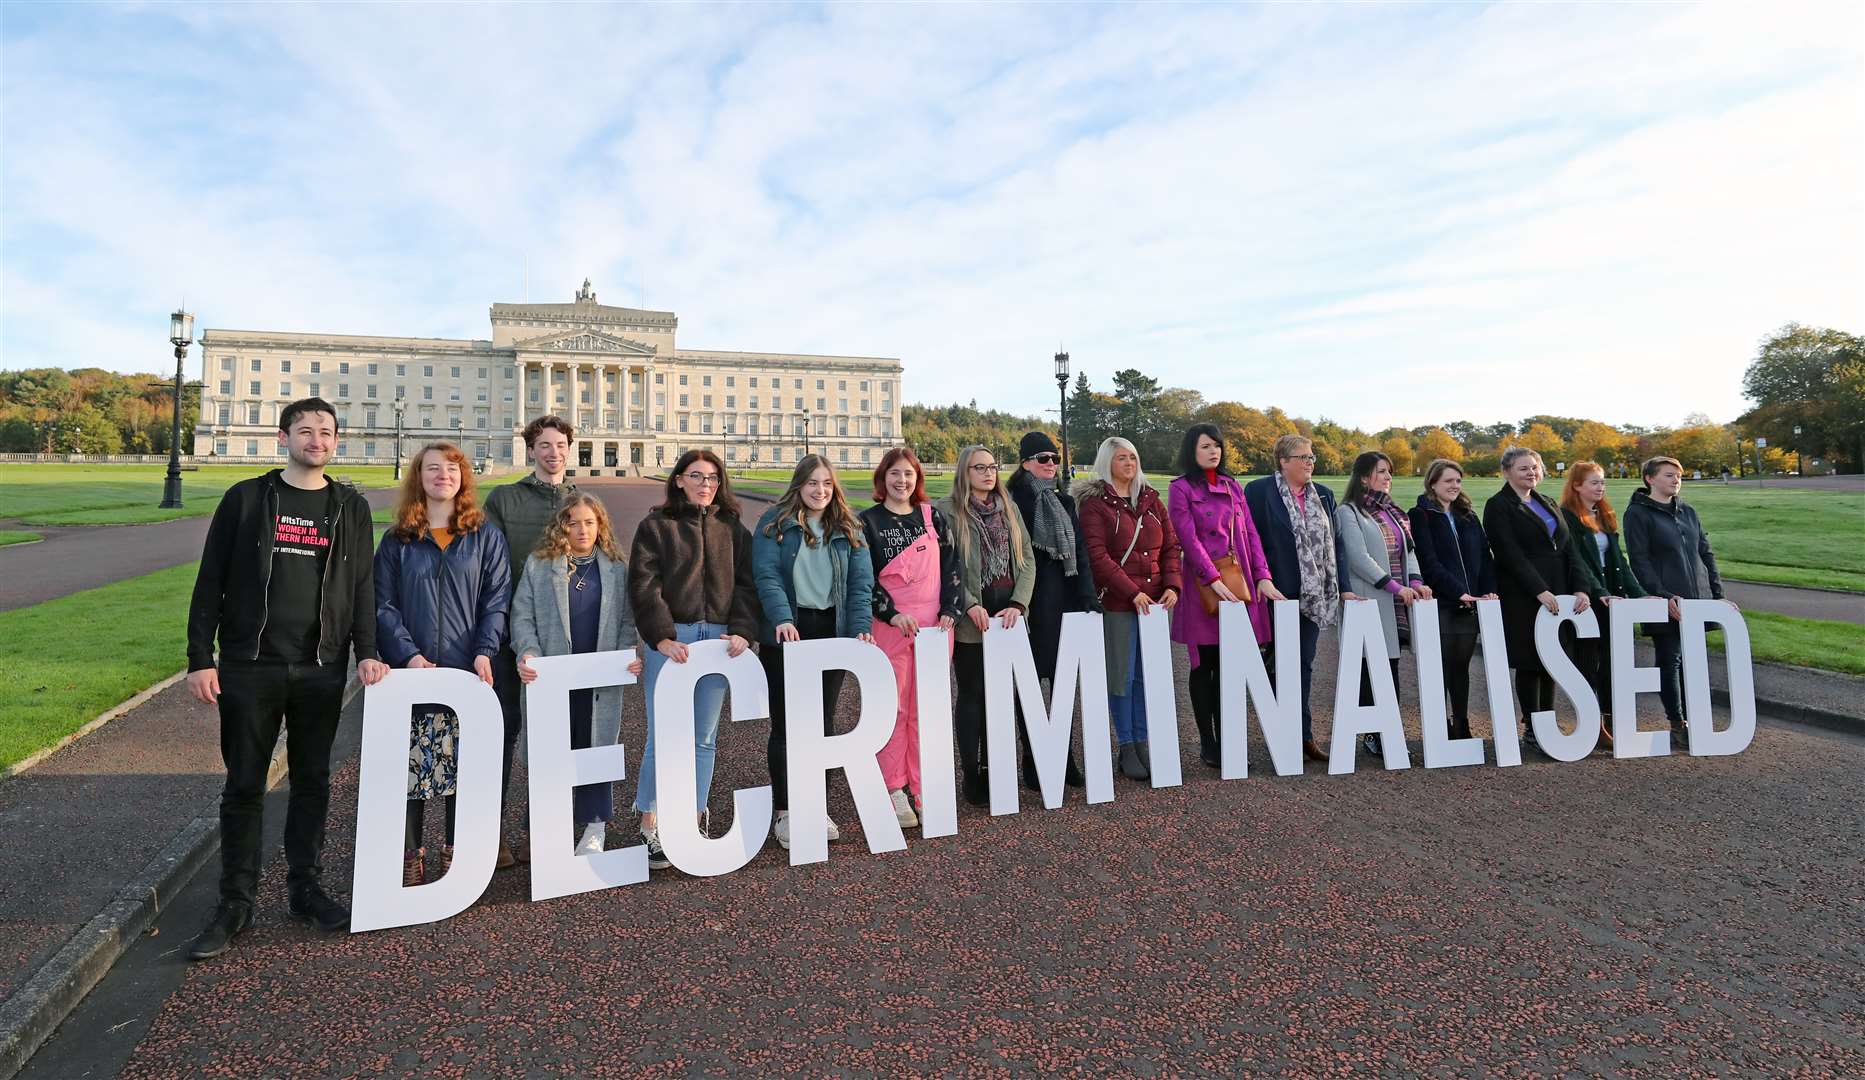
(71,494)
(78,655)
(1814,643)
(17,536)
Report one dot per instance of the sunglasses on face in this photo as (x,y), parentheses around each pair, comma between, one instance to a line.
(1046,459)
(702,479)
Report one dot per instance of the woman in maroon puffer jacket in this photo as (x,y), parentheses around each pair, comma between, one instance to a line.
(1134,558)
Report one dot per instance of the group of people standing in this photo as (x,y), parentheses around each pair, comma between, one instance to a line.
(288,586)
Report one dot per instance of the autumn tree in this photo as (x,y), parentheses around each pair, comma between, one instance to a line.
(1812,378)
(1401,454)
(1437,443)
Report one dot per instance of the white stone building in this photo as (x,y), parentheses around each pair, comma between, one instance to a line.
(635,399)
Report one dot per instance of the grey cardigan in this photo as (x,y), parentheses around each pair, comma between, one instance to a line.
(540,622)
(1367,570)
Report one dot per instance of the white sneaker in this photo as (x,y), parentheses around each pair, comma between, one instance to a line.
(594,835)
(781,829)
(903,809)
(835,833)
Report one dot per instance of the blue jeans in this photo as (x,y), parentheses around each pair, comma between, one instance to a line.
(708,701)
(1128,710)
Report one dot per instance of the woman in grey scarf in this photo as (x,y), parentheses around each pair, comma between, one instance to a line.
(1063,583)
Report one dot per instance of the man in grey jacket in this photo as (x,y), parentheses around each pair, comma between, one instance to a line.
(522,511)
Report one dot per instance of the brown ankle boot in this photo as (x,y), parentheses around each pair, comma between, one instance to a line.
(412,871)
(446,861)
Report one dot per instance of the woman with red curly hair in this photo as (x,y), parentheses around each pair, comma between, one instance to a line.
(443,580)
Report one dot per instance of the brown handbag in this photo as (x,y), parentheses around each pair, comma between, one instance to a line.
(1231,575)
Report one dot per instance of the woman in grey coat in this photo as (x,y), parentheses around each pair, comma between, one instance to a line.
(1380,561)
(573,598)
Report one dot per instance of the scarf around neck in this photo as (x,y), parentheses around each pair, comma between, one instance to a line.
(1052,533)
(1314,553)
(994,540)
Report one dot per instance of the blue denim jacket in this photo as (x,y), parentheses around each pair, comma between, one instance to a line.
(772,561)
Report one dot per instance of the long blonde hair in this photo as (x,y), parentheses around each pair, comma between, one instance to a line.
(966,521)
(556,538)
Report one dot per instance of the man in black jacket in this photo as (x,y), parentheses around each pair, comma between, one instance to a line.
(286,586)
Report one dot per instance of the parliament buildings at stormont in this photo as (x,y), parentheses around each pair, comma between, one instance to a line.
(635,399)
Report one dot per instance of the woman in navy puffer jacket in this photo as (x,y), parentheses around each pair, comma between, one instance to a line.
(443,581)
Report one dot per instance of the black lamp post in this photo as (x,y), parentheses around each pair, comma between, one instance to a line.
(181,335)
(805,432)
(1800,468)
(400,409)
(1062,387)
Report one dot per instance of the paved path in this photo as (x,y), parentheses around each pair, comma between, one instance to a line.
(1626,916)
(1800,603)
(73,558)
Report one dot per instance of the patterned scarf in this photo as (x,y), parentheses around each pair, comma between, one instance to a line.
(1052,534)
(1314,551)
(994,534)
(1395,530)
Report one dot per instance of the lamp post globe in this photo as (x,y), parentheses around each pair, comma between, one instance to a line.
(180,335)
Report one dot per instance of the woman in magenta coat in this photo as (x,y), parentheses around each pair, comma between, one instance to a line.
(1215,532)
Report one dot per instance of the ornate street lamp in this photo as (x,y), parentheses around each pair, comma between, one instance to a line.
(180,335)
(1062,387)
(400,409)
(805,432)
(1800,467)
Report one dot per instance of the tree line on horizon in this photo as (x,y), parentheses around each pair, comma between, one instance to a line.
(1802,376)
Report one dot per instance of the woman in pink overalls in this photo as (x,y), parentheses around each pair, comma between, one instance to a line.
(916,583)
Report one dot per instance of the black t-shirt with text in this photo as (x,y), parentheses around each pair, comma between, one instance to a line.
(300,551)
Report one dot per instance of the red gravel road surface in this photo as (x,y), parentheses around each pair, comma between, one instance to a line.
(1661,917)
(1645,917)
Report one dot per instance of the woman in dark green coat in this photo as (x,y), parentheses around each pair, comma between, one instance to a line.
(1609,576)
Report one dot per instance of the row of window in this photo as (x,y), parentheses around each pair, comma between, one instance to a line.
(775,454)
(228,363)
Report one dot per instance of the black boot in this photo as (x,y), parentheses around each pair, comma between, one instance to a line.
(310,904)
(229,920)
(976,791)
(1073,777)
(1207,743)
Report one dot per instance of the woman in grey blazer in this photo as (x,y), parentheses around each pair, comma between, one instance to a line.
(573,598)
(1379,560)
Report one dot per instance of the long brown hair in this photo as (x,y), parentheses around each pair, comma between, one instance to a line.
(677,503)
(835,516)
(1461,504)
(556,538)
(411,507)
(1606,520)
(965,521)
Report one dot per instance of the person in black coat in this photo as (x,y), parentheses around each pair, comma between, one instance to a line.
(1536,562)
(1275,502)
(1063,583)
(1665,543)
(1453,556)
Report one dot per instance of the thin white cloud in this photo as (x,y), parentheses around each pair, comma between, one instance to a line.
(1385,215)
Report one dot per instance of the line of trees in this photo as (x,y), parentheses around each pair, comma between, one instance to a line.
(90,411)
(1804,376)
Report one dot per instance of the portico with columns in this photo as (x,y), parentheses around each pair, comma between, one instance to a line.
(635,400)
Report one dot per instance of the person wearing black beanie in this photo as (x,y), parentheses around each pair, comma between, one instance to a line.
(1063,583)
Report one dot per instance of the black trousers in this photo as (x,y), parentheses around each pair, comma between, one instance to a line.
(1203,686)
(1366,685)
(1534,691)
(1670,673)
(812,624)
(256,699)
(968,706)
(1457,648)
(417,821)
(511,691)
(1311,640)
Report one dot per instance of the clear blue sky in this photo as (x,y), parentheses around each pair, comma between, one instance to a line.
(1383,214)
